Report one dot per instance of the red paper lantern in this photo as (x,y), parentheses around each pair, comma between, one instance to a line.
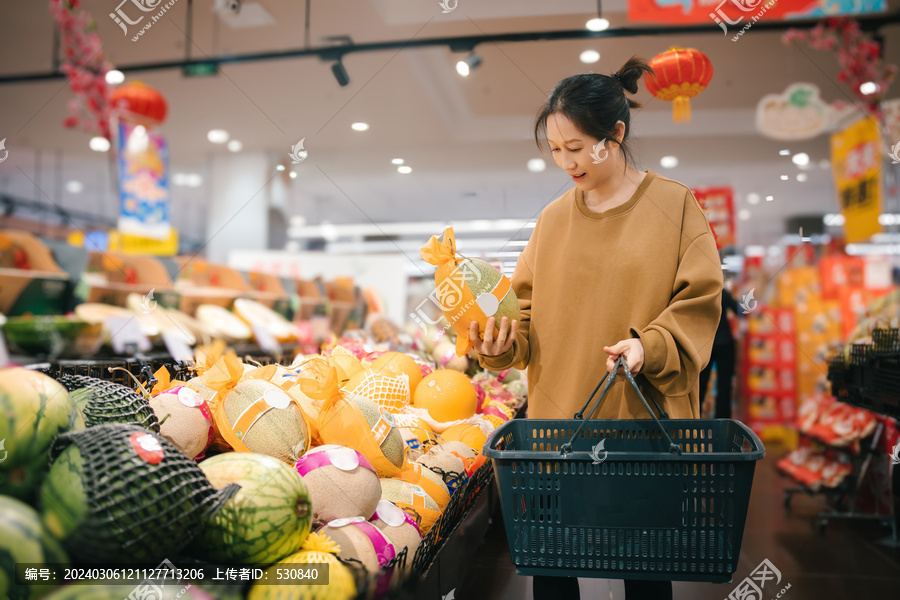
(140,103)
(680,74)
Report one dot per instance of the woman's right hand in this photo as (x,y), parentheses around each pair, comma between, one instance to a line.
(490,346)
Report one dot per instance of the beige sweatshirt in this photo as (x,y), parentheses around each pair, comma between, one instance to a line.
(648,269)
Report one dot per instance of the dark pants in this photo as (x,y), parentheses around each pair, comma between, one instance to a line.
(566,588)
(723,357)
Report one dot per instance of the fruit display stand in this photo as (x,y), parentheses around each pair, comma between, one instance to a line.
(440,559)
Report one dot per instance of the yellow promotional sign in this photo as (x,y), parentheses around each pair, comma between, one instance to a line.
(133,244)
(855,162)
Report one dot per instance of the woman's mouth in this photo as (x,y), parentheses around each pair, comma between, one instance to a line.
(578,177)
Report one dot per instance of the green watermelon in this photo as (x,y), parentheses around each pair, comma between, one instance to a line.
(63,501)
(34,409)
(23,540)
(268,519)
(118,490)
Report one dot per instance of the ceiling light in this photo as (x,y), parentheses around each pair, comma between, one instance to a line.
(360,126)
(744,214)
(835,220)
(802,177)
(404,169)
(340,73)
(868,88)
(753,198)
(293,174)
(217,136)
(329,231)
(115,77)
(596,24)
(99,144)
(397,161)
(769,198)
(668,162)
(74,187)
(279,167)
(784,152)
(465,66)
(784,177)
(537,165)
(589,56)
(801,159)
(235,146)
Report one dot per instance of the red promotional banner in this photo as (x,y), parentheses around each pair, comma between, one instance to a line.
(731,14)
(718,205)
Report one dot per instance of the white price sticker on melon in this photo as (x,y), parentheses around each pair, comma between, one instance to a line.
(267,342)
(126,336)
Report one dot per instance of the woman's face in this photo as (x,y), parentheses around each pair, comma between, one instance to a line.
(587,160)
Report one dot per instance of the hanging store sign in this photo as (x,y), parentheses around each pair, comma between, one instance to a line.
(855,162)
(718,206)
(144,196)
(732,15)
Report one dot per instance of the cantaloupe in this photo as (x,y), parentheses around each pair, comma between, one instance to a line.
(417,434)
(260,315)
(280,431)
(451,468)
(183,422)
(346,486)
(397,363)
(413,500)
(447,395)
(470,435)
(393,446)
(428,480)
(399,528)
(353,536)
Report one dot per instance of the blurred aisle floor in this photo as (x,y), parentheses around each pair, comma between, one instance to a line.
(843,563)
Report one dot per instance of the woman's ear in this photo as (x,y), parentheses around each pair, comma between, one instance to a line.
(619,131)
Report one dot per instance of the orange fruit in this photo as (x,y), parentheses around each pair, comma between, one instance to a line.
(447,395)
(396,364)
(350,364)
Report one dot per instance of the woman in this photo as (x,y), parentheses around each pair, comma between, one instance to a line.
(623,264)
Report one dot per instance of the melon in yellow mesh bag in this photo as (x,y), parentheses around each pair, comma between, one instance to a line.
(351,420)
(388,392)
(254,414)
(468,289)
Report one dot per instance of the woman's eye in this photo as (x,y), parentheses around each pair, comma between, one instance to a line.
(554,149)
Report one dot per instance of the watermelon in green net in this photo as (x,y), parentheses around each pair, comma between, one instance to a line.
(102,401)
(118,492)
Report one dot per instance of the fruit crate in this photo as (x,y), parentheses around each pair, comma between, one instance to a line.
(886,344)
(144,366)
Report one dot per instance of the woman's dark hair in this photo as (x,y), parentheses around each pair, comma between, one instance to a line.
(594,102)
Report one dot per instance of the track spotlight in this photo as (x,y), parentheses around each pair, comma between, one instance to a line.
(340,73)
(464,66)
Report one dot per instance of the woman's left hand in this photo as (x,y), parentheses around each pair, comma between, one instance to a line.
(633,351)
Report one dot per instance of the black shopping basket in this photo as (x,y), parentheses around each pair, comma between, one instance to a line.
(625,499)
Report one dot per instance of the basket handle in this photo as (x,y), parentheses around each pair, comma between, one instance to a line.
(620,362)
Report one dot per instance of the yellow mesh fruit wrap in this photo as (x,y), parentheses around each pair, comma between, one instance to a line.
(340,350)
(222,377)
(390,393)
(340,421)
(207,355)
(494,420)
(452,290)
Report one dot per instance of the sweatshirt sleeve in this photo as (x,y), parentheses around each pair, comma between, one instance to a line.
(677,344)
(519,354)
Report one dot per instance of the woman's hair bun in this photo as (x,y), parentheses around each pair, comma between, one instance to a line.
(631,73)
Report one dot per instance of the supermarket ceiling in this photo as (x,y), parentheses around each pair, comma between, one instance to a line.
(468,140)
